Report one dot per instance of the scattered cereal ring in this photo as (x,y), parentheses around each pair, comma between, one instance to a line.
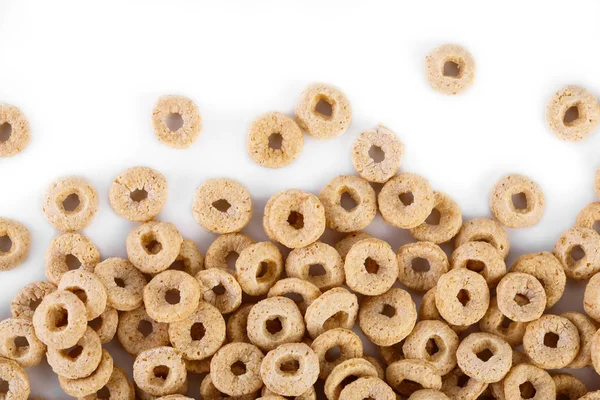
(529,381)
(406,200)
(153,246)
(336,308)
(171,296)
(290,370)
(70,203)
(15,241)
(258,268)
(124,283)
(450,69)
(371,267)
(590,214)
(367,387)
(275,321)
(421,264)
(408,376)
(348,343)
(170,109)
(80,360)
(190,260)
(434,342)
(303,263)
(548,270)
(457,386)
(578,250)
(225,246)
(69,251)
(219,288)
(17,383)
(323,111)
(480,257)
(586,329)
(521,297)
(591,298)
(506,198)
(14,130)
(344,372)
(462,296)
(429,312)
(301,291)
(137,332)
(568,387)
(235,369)
(484,230)
(484,357)
(138,194)
(28,298)
(595,350)
(497,323)
(572,113)
(222,206)
(90,384)
(274,140)
(89,288)
(19,342)
(428,394)
(442,224)
(60,320)
(236,325)
(551,342)
(159,371)
(118,386)
(105,325)
(377,154)
(346,243)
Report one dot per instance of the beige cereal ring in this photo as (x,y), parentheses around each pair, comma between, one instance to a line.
(435,342)
(301,291)
(90,384)
(595,351)
(442,224)
(496,389)
(274,140)
(14,130)
(171,108)
(303,263)
(336,308)
(236,325)
(368,387)
(190,260)
(159,371)
(345,372)
(323,111)
(591,298)
(551,342)
(462,296)
(124,283)
(138,332)
(568,387)
(578,250)
(28,299)
(295,218)
(222,206)
(408,376)
(224,247)
(199,367)
(15,241)
(324,346)
(377,364)
(17,383)
(406,200)
(208,391)
(521,297)
(428,394)
(548,270)
(290,370)
(428,311)
(500,325)
(529,381)
(484,357)
(391,354)
(590,214)
(171,296)
(106,324)
(60,320)
(377,154)
(141,395)
(450,69)
(484,230)
(89,288)
(421,264)
(595,395)
(153,246)
(308,395)
(586,329)
(175,397)
(69,251)
(70,203)
(572,113)
(505,201)
(19,342)
(258,268)
(78,361)
(480,257)
(138,193)
(275,321)
(221,289)
(235,369)
(118,387)
(344,245)
(459,386)
(371,267)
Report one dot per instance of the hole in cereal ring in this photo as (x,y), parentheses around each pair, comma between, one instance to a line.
(275,141)
(289,367)
(562,396)
(4,387)
(173,296)
(431,347)
(434,217)
(324,108)
(551,340)
(71,202)
(145,327)
(5,244)
(59,318)
(388,311)
(333,354)
(219,290)
(262,270)
(295,297)
(451,69)
(161,372)
(79,293)
(197,331)
(571,115)
(371,266)
(316,270)
(73,352)
(5,132)
(519,201)
(348,380)
(377,154)
(96,323)
(475,265)
(174,121)
(72,262)
(576,253)
(409,387)
(152,245)
(462,381)
(178,265)
(521,300)
(21,345)
(463,297)
(347,201)
(296,220)
(274,325)
(103,393)
(221,205)
(120,282)
(420,264)
(35,303)
(407,198)
(506,322)
(138,195)
(238,368)
(527,390)
(231,259)
(336,320)
(485,354)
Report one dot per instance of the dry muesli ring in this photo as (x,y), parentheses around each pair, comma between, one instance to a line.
(224,247)
(236,325)
(290,370)
(497,323)
(521,297)
(235,369)
(551,342)
(141,395)
(28,299)
(138,193)
(323,111)
(176,121)
(124,283)
(529,381)
(406,200)
(190,260)
(324,345)
(19,342)
(275,321)
(344,245)
(274,140)
(138,332)
(106,324)
(578,250)
(368,387)
(78,361)
(391,354)
(301,291)
(15,241)
(572,113)
(408,376)
(17,383)
(219,288)
(450,69)
(345,372)
(258,268)
(14,130)
(590,214)
(336,308)
(480,257)
(421,264)
(568,387)
(171,296)
(70,203)
(548,270)
(484,357)
(517,201)
(435,342)
(303,263)
(90,384)
(442,224)
(586,329)
(462,297)
(153,246)
(159,371)
(69,251)
(591,298)
(371,267)
(457,386)
(208,391)
(377,154)
(118,387)
(89,288)
(428,311)
(484,230)
(308,395)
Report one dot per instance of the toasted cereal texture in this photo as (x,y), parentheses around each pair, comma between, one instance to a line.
(578,250)
(15,241)
(262,139)
(60,320)
(236,324)
(391,354)
(159,371)
(450,69)
(171,296)
(224,246)
(484,230)
(428,336)
(308,395)
(471,361)
(29,297)
(278,371)
(138,332)
(591,298)
(462,296)
(258,268)
(222,206)
(421,264)
(521,297)
(457,386)
(356,213)
(275,321)
(153,246)
(307,291)
(336,308)
(595,395)
(428,311)
(14,130)
(89,288)
(480,257)
(496,389)
(141,395)
(16,379)
(348,342)
(590,214)
(301,262)
(595,351)
(106,324)
(69,251)
(586,329)
(220,288)
(406,200)
(175,397)
(124,283)
(367,387)
(377,364)
(568,386)
(118,386)
(548,270)
(371,267)
(79,361)
(26,354)
(408,376)
(506,209)
(190,260)
(344,245)
(323,111)
(428,394)
(70,203)
(138,194)
(199,367)
(208,391)
(551,342)
(354,367)
(186,110)
(443,223)
(572,113)
(497,323)
(225,380)
(377,154)
(534,378)
(91,384)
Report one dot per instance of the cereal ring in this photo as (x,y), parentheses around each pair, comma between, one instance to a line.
(371,267)
(220,289)
(171,296)
(595,351)
(406,200)
(308,395)
(317,263)
(568,387)
(15,241)
(391,354)
(462,296)
(138,194)
(176,121)
(428,394)
(377,154)
(367,388)
(258,267)
(388,318)
(235,369)
(208,391)
(323,111)
(346,243)
(141,395)
(578,250)
(429,312)
(442,224)
(118,387)
(290,370)
(360,203)
(336,308)
(590,213)
(497,323)
(517,201)
(421,264)
(105,325)
(301,291)
(408,376)
(17,383)
(274,321)
(530,382)
(69,251)
(18,342)
(346,372)
(551,342)
(190,260)
(60,320)
(222,206)
(138,332)
(236,324)
(14,130)
(159,371)
(377,364)
(224,247)
(153,246)
(480,257)
(521,297)
(458,386)
(484,357)
(274,140)
(595,395)
(89,288)
(496,389)
(548,270)
(434,342)
(450,69)
(28,299)
(484,230)
(586,329)
(90,384)
(325,345)
(70,203)
(591,298)
(124,283)
(80,360)
(199,367)
(573,113)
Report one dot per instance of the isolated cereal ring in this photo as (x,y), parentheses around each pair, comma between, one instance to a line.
(578,250)
(138,332)
(497,323)
(521,297)
(290,370)
(371,267)
(480,257)
(171,296)
(484,357)
(17,383)
(89,288)
(348,217)
(219,288)
(572,113)
(80,360)
(508,210)
(484,230)
(323,111)
(595,350)
(391,354)
(336,308)
(302,263)
(462,296)
(551,342)
(274,140)
(529,381)
(428,311)
(153,246)
(19,342)
(201,334)
(346,243)
(14,130)
(28,299)
(344,372)
(15,241)
(421,264)
(176,107)
(408,376)
(70,203)
(591,298)
(124,283)
(69,251)
(258,267)
(406,200)
(190,260)
(434,342)
(301,291)
(275,321)
(118,387)
(246,377)
(548,270)
(388,318)
(237,323)
(442,224)
(90,384)
(60,320)
(222,205)
(428,394)
(208,391)
(377,154)
(106,324)
(450,69)
(586,329)
(324,346)
(568,387)
(138,193)
(458,386)
(368,387)
(223,247)
(159,371)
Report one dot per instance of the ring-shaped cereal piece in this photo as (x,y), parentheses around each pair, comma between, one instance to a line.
(586,329)
(308,395)
(208,391)
(591,298)
(263,134)
(391,354)
(536,381)
(368,387)
(595,350)
(406,200)
(595,395)
(118,386)
(302,263)
(290,370)
(323,111)
(258,268)
(388,318)
(224,246)
(551,342)
(29,351)
(572,113)
(336,308)
(90,384)
(459,386)
(176,107)
(275,321)
(408,376)
(568,387)
(428,311)
(237,323)
(505,201)
(462,296)
(484,357)
(14,130)
(222,206)
(371,267)
(496,389)
(377,154)
(60,320)
(159,371)
(28,298)
(137,332)
(289,287)
(344,372)
(480,257)
(199,367)
(153,246)
(80,360)
(70,203)
(138,193)
(190,260)
(171,296)
(348,343)
(442,224)
(521,297)
(89,288)
(344,245)
(377,364)
(348,217)
(435,342)
(484,230)
(245,359)
(590,214)
(500,325)
(69,251)
(220,289)
(428,394)
(17,237)
(450,69)
(106,324)
(16,379)
(421,264)
(548,270)
(124,283)
(578,250)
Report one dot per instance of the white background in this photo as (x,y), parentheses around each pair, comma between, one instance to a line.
(87,74)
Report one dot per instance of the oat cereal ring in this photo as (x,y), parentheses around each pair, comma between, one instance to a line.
(591,298)
(458,386)
(190,259)
(138,332)
(15,241)
(224,246)
(377,154)
(60,320)
(275,321)
(497,323)
(263,135)
(269,205)
(462,296)
(521,297)
(443,223)
(89,288)
(368,387)
(391,354)
(434,342)
(106,324)
(70,203)
(171,296)
(336,308)
(258,268)
(484,230)
(159,371)
(568,387)
(347,342)
(408,376)
(421,264)
(290,370)
(138,194)
(17,383)
(153,246)
(222,206)
(572,113)
(28,298)
(590,213)
(346,243)
(236,325)
(69,251)
(496,389)
(578,250)
(506,198)
(484,357)
(428,394)
(323,111)
(18,342)
(371,267)
(586,329)
(14,130)
(480,257)
(377,364)
(348,217)
(310,394)
(595,395)
(199,367)
(406,200)
(78,361)
(141,395)
(388,318)
(208,391)
(548,270)
(428,311)
(235,369)
(176,121)
(90,384)
(595,351)
(346,372)
(124,283)
(301,291)
(118,386)
(551,342)
(220,289)
(317,263)
(450,69)
(530,382)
